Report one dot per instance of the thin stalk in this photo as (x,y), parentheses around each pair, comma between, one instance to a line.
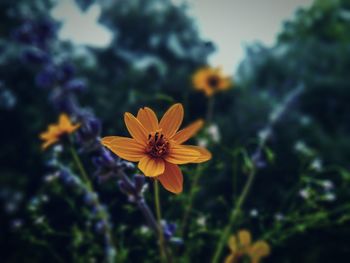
(90,187)
(274,118)
(234,214)
(234,179)
(80,167)
(210,109)
(162,250)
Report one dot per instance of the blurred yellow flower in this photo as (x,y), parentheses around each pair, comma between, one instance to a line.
(157,146)
(56,131)
(211,80)
(241,247)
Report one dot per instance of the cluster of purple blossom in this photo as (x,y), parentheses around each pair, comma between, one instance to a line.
(60,81)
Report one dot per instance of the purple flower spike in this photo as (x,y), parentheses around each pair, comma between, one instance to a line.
(75,85)
(47,77)
(139,181)
(169,230)
(66,71)
(35,56)
(90,130)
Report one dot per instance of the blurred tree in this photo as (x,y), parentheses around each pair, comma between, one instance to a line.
(155,49)
(312,49)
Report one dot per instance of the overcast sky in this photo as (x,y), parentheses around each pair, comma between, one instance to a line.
(231,24)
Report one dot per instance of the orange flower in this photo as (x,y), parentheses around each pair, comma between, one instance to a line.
(56,131)
(210,80)
(157,146)
(241,247)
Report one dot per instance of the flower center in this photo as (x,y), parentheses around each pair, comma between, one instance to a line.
(157,145)
(213,81)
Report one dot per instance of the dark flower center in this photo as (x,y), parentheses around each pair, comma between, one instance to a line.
(63,137)
(213,81)
(157,145)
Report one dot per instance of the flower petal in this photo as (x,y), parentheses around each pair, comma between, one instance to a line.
(232,244)
(172,120)
(244,238)
(135,128)
(230,258)
(74,127)
(172,179)
(126,148)
(258,250)
(179,154)
(64,122)
(148,119)
(188,132)
(48,143)
(51,132)
(151,167)
(204,154)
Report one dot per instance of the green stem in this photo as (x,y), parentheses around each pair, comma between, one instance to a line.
(162,250)
(234,214)
(210,109)
(80,167)
(234,179)
(90,187)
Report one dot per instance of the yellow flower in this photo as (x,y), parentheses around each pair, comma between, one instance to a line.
(241,247)
(56,131)
(157,146)
(210,80)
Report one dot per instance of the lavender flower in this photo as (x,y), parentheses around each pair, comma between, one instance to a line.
(75,85)
(16,223)
(66,71)
(35,56)
(90,130)
(90,198)
(169,229)
(47,77)
(68,178)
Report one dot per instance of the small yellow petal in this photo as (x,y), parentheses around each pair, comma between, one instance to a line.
(64,121)
(186,133)
(258,250)
(230,259)
(172,179)
(135,128)
(148,119)
(126,148)
(151,167)
(109,139)
(48,143)
(74,127)
(179,154)
(232,243)
(172,120)
(244,238)
(204,154)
